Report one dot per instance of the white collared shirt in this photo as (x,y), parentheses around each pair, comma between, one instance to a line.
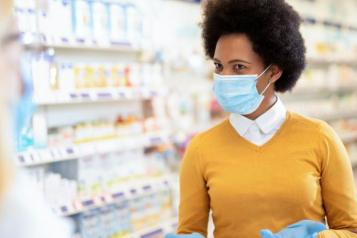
(262,129)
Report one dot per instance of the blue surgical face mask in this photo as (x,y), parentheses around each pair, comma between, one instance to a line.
(238,93)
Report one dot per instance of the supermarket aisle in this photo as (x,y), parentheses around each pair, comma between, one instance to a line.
(122,89)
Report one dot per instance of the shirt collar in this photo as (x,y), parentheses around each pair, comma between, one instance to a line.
(240,123)
(267,122)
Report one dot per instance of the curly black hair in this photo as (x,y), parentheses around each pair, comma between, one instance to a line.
(271,25)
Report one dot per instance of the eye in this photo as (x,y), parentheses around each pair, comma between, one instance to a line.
(237,68)
(218,67)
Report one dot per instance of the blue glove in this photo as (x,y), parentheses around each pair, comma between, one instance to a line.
(193,235)
(301,229)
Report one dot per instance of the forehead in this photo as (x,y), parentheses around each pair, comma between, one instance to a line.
(235,46)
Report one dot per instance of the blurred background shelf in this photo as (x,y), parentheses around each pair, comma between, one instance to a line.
(326,61)
(35,157)
(159,230)
(348,137)
(338,114)
(119,96)
(97,96)
(128,191)
(117,48)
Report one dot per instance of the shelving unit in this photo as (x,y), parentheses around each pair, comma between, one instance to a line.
(330,80)
(314,61)
(338,114)
(119,48)
(36,157)
(129,191)
(83,83)
(159,230)
(99,96)
(308,93)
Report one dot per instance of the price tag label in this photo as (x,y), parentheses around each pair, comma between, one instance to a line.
(21,158)
(153,234)
(73,96)
(122,94)
(36,156)
(86,96)
(147,188)
(28,157)
(55,153)
(70,150)
(155,140)
(118,195)
(88,203)
(104,95)
(64,210)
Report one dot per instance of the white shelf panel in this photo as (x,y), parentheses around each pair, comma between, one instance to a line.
(35,157)
(37,44)
(97,96)
(97,47)
(127,191)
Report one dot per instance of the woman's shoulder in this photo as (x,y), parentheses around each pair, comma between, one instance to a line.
(308,122)
(311,125)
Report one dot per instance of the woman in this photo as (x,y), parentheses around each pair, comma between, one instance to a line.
(264,167)
(23,213)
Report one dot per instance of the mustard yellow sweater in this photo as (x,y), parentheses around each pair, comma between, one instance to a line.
(303,172)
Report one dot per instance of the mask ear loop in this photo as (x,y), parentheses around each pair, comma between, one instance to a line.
(264,71)
(266,88)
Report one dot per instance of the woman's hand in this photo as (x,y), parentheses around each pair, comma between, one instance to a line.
(301,229)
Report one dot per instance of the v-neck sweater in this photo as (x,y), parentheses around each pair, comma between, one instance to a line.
(303,172)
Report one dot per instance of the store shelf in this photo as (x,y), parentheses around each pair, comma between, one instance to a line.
(97,96)
(125,47)
(127,191)
(35,157)
(337,115)
(165,227)
(155,231)
(324,90)
(331,60)
(306,94)
(329,23)
(118,48)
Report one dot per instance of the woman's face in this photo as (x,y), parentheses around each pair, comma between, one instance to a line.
(10,64)
(234,55)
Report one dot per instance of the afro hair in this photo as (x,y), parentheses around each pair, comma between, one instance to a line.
(271,25)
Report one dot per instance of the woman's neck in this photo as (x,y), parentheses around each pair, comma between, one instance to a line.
(267,103)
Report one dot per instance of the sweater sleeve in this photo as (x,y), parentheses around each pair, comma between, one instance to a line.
(194,200)
(338,188)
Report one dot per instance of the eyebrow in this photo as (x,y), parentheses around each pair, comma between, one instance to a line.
(233,61)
